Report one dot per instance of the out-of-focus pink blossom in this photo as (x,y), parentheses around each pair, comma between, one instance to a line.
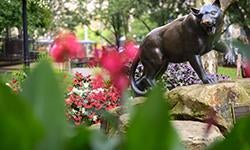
(112,62)
(130,50)
(246,69)
(66,46)
(211,120)
(121,82)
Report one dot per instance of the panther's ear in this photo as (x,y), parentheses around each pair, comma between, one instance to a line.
(195,11)
(217,3)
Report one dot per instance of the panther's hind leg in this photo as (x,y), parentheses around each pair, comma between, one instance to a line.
(153,65)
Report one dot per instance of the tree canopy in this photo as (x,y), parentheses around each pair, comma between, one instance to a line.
(39,14)
(68,13)
(239,13)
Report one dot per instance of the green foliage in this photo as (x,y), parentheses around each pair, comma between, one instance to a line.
(10,14)
(36,120)
(238,137)
(160,12)
(81,139)
(19,128)
(68,13)
(139,30)
(114,14)
(117,15)
(150,127)
(39,14)
(43,95)
(239,12)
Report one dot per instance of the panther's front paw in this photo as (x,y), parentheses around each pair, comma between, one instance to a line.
(210,80)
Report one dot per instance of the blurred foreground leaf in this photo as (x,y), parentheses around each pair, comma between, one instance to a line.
(238,138)
(43,92)
(80,139)
(19,129)
(150,128)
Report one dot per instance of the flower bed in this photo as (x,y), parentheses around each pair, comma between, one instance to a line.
(88,96)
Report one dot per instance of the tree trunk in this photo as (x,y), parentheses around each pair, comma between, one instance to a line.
(117,40)
(210,62)
(247,31)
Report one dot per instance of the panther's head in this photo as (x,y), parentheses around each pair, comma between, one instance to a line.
(209,16)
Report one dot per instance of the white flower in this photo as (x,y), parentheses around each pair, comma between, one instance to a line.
(7,84)
(74,111)
(98,90)
(76,91)
(94,117)
(85,85)
(83,110)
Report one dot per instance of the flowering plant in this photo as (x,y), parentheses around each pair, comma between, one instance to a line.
(89,95)
(16,80)
(182,74)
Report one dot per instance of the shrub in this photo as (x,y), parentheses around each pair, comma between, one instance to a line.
(182,74)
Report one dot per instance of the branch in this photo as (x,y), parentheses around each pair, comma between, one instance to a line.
(102,36)
(144,23)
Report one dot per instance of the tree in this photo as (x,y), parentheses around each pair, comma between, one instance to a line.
(161,11)
(114,15)
(118,14)
(239,13)
(39,15)
(68,13)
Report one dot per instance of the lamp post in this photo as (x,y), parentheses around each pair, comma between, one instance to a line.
(25,34)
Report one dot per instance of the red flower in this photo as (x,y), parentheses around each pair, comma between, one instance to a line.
(14,81)
(65,46)
(68,101)
(97,82)
(97,96)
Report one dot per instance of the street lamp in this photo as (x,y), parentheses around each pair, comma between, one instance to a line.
(25,34)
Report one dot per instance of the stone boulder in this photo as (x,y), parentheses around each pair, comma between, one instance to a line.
(191,107)
(202,102)
(193,134)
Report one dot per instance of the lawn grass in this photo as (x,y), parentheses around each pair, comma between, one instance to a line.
(229,71)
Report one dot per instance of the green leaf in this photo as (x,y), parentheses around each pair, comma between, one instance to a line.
(151,128)
(238,138)
(19,129)
(99,141)
(80,139)
(43,92)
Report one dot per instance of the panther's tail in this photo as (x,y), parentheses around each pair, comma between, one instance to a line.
(134,86)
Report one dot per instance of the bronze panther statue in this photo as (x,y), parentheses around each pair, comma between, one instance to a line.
(184,39)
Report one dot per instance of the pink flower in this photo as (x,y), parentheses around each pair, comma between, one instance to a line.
(121,82)
(65,46)
(112,62)
(130,50)
(246,69)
